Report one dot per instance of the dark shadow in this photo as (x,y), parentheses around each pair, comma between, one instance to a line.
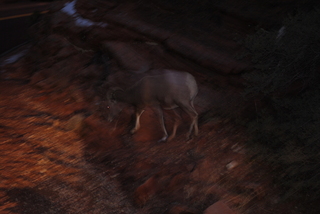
(30,201)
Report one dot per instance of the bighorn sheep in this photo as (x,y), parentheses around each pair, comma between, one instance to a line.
(168,89)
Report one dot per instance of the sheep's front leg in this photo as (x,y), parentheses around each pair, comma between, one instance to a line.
(177,120)
(137,125)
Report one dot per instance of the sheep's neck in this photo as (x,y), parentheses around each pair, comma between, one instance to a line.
(122,96)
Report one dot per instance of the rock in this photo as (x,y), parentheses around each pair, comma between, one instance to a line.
(206,170)
(54,76)
(238,149)
(212,59)
(179,209)
(139,26)
(232,164)
(37,77)
(128,56)
(75,123)
(77,96)
(50,46)
(219,208)
(154,185)
(65,52)
(177,183)
(145,191)
(90,73)
(59,19)
(93,122)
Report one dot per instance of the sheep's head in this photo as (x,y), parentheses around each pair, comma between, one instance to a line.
(113,106)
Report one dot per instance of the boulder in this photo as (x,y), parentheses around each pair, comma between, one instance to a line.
(146,191)
(180,209)
(127,56)
(75,123)
(219,208)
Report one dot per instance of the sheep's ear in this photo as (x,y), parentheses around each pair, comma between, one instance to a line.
(111,93)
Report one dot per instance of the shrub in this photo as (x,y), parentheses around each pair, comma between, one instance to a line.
(287,73)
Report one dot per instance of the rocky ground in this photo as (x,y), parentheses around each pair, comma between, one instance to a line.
(60,155)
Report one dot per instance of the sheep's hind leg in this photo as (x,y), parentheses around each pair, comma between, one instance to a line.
(165,134)
(189,109)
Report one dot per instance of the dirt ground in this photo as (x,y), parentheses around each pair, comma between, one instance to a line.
(56,158)
(60,155)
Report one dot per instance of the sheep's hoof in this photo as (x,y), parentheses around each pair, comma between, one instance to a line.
(163,139)
(133,131)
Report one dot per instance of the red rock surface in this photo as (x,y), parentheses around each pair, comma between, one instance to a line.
(218,208)
(60,155)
